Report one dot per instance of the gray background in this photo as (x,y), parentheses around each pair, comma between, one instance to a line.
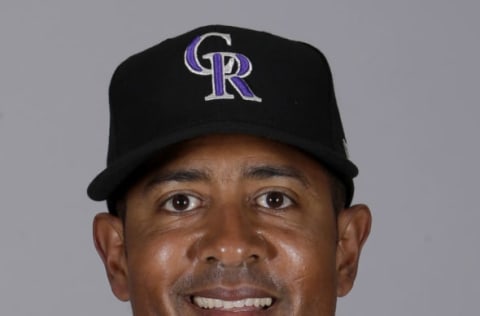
(407,80)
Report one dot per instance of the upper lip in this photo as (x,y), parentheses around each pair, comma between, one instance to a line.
(233,293)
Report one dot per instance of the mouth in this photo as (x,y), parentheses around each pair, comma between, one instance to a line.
(248,300)
(245,304)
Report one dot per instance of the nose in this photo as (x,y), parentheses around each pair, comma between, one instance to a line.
(231,239)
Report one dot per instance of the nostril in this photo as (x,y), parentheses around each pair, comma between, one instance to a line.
(253,258)
(231,248)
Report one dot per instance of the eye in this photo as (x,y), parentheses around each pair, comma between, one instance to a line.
(274,200)
(181,202)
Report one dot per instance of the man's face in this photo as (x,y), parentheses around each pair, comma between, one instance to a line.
(230,225)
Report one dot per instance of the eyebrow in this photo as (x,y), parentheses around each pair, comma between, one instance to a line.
(268,171)
(182,175)
(262,172)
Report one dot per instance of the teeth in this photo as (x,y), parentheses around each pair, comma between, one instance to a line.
(210,303)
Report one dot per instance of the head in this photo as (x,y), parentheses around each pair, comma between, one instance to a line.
(223,208)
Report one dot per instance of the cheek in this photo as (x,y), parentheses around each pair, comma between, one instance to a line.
(304,257)
(155,262)
(307,263)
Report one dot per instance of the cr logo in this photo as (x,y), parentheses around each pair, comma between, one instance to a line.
(221,71)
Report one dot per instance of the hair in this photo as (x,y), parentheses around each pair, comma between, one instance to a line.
(338,192)
(121,208)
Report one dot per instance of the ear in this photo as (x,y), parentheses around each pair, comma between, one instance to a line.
(353,226)
(108,236)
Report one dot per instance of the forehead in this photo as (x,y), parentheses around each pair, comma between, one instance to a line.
(229,155)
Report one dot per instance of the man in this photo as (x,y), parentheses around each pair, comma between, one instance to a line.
(228,182)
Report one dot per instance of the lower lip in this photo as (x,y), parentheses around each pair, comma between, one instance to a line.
(231,312)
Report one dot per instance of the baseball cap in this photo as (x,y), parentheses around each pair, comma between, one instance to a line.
(222,79)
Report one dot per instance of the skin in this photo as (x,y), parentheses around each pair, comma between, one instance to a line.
(254,219)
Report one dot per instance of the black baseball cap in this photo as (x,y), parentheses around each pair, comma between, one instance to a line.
(222,79)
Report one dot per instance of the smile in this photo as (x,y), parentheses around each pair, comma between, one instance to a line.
(213,303)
